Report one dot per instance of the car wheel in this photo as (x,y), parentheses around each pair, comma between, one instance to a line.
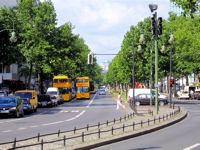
(137,103)
(161,103)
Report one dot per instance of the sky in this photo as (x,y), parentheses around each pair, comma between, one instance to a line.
(103,23)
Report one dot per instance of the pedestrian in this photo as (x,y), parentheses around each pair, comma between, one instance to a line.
(119,102)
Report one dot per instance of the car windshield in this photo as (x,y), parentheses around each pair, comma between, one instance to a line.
(24,95)
(6,100)
(102,90)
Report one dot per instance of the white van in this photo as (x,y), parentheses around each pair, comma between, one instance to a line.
(144,91)
(55,95)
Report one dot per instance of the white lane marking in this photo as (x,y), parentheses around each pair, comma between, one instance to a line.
(47,124)
(76,116)
(21,128)
(193,146)
(6,131)
(52,123)
(91,101)
(74,111)
(33,126)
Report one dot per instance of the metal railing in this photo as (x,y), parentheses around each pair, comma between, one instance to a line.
(99,132)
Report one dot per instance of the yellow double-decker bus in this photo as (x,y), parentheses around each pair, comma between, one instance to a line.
(83,88)
(64,84)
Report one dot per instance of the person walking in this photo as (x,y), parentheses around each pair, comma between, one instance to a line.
(119,101)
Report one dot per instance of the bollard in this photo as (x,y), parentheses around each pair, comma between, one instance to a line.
(99,133)
(133,126)
(82,136)
(64,140)
(58,132)
(107,122)
(112,130)
(120,119)
(148,122)
(114,120)
(98,124)
(14,143)
(154,120)
(87,127)
(159,118)
(128,116)
(74,130)
(141,123)
(42,144)
(38,137)
(125,117)
(123,128)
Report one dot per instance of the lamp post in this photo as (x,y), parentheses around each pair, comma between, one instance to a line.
(153,7)
(171,42)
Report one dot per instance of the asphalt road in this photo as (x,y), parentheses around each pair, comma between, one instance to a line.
(76,113)
(184,135)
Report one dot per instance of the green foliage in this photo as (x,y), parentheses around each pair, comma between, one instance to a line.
(186,31)
(190,7)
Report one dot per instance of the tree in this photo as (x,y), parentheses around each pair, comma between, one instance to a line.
(190,7)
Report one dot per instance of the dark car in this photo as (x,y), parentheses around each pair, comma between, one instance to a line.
(44,100)
(27,105)
(144,99)
(197,95)
(12,106)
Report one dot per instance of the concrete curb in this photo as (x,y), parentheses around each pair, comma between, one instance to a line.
(117,139)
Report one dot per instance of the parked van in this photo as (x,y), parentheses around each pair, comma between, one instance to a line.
(31,95)
(144,91)
(55,95)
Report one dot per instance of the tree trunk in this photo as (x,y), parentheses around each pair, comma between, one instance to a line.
(30,75)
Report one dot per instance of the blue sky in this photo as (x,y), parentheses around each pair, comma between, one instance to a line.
(103,23)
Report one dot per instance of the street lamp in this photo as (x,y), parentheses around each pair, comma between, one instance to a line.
(153,7)
(171,42)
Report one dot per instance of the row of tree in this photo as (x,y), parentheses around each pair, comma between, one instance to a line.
(186,48)
(47,49)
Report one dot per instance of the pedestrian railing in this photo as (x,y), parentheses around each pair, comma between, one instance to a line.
(98,131)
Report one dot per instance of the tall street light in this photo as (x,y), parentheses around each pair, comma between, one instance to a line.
(153,7)
(171,42)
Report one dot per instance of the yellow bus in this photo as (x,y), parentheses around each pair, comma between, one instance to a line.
(64,84)
(83,88)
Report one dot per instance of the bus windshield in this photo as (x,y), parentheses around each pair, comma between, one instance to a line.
(83,89)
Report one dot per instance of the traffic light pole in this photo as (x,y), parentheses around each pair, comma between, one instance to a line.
(156,64)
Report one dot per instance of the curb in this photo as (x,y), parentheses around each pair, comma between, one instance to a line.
(135,134)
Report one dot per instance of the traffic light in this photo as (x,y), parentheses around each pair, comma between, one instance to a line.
(153,24)
(160,25)
(171,82)
(90,58)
